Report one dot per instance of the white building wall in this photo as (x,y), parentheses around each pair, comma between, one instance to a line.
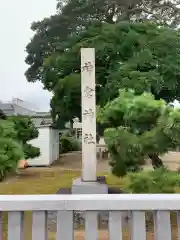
(43,142)
(57,144)
(54,145)
(51,150)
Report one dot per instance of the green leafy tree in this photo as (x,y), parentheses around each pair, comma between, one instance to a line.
(74,15)
(26,131)
(121,10)
(58,36)
(138,126)
(140,56)
(67,95)
(10,149)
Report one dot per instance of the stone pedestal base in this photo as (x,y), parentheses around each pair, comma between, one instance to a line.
(80,187)
(99,187)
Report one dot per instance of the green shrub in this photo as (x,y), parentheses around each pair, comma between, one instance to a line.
(26,131)
(157,181)
(10,149)
(69,144)
(30,151)
(10,154)
(138,126)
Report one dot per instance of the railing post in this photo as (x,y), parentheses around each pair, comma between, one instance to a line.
(1,225)
(115,225)
(162,225)
(39,225)
(138,224)
(91,226)
(15,225)
(65,225)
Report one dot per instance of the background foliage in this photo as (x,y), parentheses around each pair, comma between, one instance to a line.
(10,149)
(119,32)
(68,142)
(26,131)
(137,47)
(139,127)
(157,181)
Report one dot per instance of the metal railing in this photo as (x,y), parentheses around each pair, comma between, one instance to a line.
(65,205)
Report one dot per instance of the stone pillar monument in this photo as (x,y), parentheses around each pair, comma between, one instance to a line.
(88,104)
(88,181)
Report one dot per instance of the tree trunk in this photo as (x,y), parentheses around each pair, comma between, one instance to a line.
(156,161)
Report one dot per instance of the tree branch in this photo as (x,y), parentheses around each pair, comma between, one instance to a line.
(156,161)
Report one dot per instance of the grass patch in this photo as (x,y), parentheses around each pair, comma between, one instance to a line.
(46,182)
(42,182)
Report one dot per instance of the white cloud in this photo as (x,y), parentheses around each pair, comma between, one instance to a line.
(16,18)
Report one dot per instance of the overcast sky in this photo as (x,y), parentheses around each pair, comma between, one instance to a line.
(16,18)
